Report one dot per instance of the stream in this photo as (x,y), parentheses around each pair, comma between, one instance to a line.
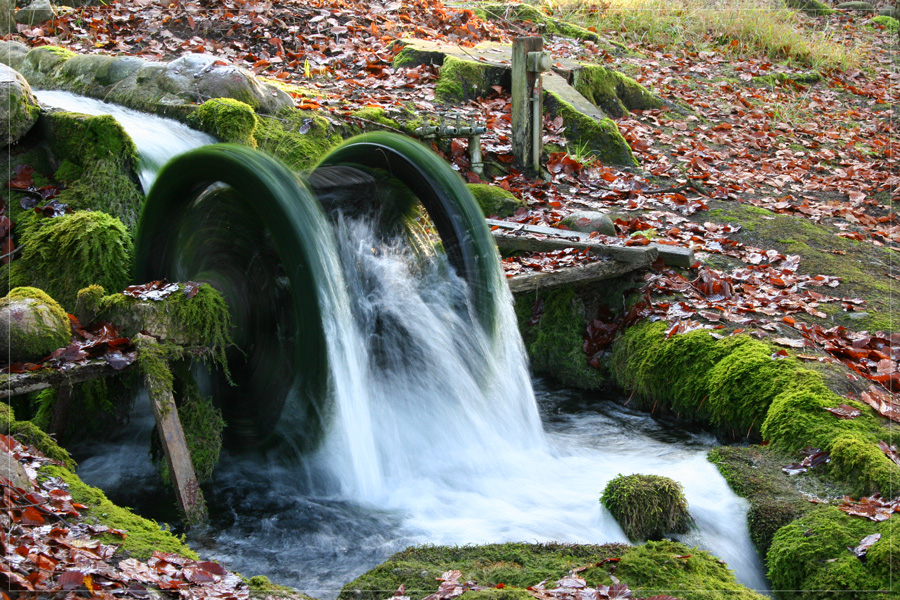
(439,435)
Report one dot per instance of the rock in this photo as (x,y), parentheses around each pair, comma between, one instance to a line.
(34,324)
(813,8)
(863,7)
(889,11)
(13,470)
(39,11)
(647,506)
(590,221)
(19,108)
(494,200)
(7,21)
(12,53)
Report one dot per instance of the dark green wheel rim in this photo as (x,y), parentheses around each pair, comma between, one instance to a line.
(260,242)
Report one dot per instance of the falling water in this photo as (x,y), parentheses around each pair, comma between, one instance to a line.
(437,436)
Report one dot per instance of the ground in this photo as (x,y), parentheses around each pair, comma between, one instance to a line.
(777,146)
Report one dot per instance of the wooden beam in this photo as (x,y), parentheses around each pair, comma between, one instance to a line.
(32,381)
(589,273)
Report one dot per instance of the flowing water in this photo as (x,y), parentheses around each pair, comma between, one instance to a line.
(437,438)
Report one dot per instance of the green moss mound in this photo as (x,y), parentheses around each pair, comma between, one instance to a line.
(375,114)
(554,343)
(889,23)
(517,566)
(143,536)
(30,434)
(494,200)
(647,506)
(612,92)
(813,8)
(811,554)
(65,254)
(462,80)
(228,119)
(44,329)
(98,161)
(298,138)
(599,138)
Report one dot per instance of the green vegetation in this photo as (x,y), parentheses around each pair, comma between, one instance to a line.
(98,162)
(494,200)
(811,554)
(142,536)
(65,254)
(614,93)
(889,23)
(554,342)
(655,565)
(202,423)
(647,506)
(375,114)
(601,138)
(229,120)
(29,433)
(502,11)
(298,138)
(462,80)
(43,328)
(776,32)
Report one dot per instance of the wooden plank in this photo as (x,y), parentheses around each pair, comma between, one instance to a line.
(32,381)
(674,256)
(591,272)
(522,85)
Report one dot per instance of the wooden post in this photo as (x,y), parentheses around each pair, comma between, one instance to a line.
(60,411)
(523,82)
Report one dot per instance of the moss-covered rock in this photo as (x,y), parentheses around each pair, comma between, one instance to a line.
(229,120)
(29,433)
(647,506)
(98,162)
(600,138)
(462,80)
(589,222)
(888,22)
(653,566)
(494,200)
(555,339)
(613,92)
(375,114)
(812,554)
(65,254)
(19,109)
(32,323)
(298,138)
(813,8)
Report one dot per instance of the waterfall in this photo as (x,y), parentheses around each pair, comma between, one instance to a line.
(436,436)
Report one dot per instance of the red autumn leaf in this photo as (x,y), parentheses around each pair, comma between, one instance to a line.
(70,580)
(31,516)
(843,411)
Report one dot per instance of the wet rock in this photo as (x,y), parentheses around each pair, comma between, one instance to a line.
(590,221)
(12,53)
(39,11)
(19,109)
(13,470)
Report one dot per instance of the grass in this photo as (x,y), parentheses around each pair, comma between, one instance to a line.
(743,27)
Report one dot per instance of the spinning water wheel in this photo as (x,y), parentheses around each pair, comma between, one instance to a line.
(241,221)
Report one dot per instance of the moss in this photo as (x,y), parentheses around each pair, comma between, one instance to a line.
(65,254)
(665,566)
(813,8)
(88,302)
(299,138)
(779,78)
(107,159)
(647,506)
(375,114)
(555,342)
(526,12)
(811,554)
(862,463)
(229,120)
(45,329)
(613,92)
(600,138)
(754,473)
(142,536)
(463,80)
(29,433)
(889,23)
(494,200)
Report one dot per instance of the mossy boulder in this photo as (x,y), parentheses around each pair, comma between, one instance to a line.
(19,109)
(65,254)
(647,507)
(296,137)
(613,92)
(661,566)
(494,200)
(462,80)
(888,22)
(97,160)
(589,221)
(813,8)
(33,324)
(228,119)
(813,554)
(553,324)
(593,135)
